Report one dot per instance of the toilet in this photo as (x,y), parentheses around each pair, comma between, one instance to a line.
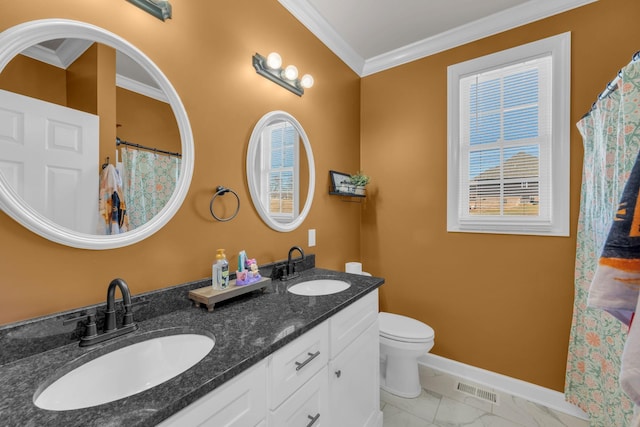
(402,341)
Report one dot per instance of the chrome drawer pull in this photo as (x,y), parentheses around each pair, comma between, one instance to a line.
(313,419)
(300,365)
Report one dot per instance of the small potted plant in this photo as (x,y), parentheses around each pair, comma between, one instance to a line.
(360,180)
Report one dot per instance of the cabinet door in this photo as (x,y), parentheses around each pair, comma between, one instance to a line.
(241,402)
(348,324)
(354,395)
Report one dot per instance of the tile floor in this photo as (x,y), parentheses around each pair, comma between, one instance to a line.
(441,405)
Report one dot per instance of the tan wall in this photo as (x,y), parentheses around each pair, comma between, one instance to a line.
(82,79)
(36,79)
(205,50)
(499,302)
(146,121)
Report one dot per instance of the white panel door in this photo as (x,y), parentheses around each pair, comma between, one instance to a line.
(49,154)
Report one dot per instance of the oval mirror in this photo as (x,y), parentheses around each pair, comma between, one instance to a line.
(280,171)
(76,137)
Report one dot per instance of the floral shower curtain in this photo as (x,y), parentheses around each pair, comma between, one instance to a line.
(149,180)
(611,133)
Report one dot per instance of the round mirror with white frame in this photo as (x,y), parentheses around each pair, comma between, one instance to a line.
(17,40)
(280,171)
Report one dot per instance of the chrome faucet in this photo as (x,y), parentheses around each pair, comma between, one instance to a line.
(290,272)
(110,328)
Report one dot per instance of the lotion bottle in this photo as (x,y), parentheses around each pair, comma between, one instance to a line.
(220,271)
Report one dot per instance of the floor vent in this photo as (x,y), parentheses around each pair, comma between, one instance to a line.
(474,391)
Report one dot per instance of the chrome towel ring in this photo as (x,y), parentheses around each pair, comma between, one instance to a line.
(221,191)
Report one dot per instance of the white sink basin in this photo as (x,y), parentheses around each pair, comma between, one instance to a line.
(125,372)
(319,287)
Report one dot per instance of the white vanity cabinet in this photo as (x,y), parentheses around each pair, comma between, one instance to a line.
(240,402)
(327,377)
(342,355)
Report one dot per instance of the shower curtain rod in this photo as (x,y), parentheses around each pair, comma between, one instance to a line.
(612,85)
(157,150)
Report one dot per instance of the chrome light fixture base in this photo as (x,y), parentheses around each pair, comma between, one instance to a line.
(161,9)
(275,75)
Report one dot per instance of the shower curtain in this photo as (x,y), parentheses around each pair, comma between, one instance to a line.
(611,134)
(149,180)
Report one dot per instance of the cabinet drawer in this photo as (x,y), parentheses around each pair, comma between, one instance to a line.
(239,402)
(297,362)
(306,407)
(346,325)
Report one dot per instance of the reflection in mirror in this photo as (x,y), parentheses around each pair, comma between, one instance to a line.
(51,159)
(65,101)
(280,171)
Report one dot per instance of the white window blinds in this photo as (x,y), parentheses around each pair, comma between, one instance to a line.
(280,172)
(505,130)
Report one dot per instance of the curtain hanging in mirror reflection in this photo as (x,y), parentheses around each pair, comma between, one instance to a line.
(149,181)
(611,144)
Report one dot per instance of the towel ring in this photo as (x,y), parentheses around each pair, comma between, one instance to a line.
(221,191)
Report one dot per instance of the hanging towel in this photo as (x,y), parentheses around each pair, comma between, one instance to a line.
(112,207)
(616,283)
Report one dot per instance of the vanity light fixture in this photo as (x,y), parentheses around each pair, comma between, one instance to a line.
(161,9)
(271,68)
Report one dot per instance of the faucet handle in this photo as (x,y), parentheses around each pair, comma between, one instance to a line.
(128,316)
(279,271)
(90,315)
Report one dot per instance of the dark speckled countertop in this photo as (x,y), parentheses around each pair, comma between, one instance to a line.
(247,329)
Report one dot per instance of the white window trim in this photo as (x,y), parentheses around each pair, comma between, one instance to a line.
(560,48)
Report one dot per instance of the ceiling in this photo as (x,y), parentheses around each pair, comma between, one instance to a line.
(374,35)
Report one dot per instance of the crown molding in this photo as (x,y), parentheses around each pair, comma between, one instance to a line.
(63,56)
(525,13)
(516,16)
(140,88)
(310,18)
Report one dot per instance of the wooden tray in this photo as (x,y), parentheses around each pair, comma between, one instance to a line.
(208,296)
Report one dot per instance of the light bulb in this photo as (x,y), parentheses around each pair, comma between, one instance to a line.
(274,61)
(306,81)
(291,72)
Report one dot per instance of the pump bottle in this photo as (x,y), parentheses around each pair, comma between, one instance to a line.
(220,271)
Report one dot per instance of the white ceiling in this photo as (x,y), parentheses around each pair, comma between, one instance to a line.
(374,35)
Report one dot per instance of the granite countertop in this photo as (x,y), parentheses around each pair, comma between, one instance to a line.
(246,329)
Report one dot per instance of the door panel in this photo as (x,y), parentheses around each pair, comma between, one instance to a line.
(49,154)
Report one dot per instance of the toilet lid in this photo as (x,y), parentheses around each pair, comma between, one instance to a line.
(402,328)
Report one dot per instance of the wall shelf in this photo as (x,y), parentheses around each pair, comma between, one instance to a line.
(351,197)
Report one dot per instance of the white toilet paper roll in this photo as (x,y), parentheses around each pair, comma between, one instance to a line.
(353,267)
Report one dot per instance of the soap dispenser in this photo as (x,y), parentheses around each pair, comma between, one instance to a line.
(220,271)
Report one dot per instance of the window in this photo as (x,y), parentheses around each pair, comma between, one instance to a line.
(508,141)
(279,174)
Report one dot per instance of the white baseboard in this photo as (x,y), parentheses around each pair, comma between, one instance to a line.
(531,392)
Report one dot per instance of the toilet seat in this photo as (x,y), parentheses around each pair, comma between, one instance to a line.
(405,329)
